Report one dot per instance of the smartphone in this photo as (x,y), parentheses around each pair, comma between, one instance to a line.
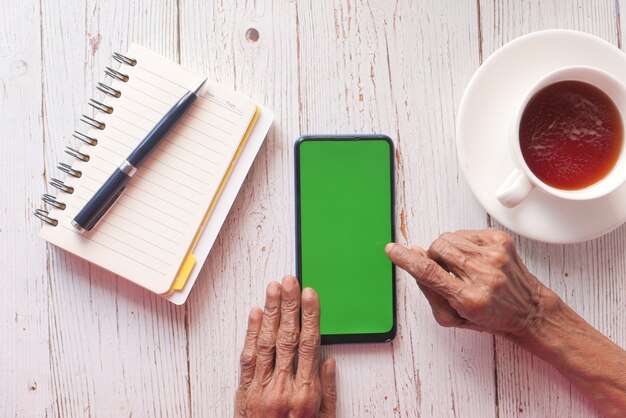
(344,218)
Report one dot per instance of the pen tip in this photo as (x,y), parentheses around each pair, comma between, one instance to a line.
(199,86)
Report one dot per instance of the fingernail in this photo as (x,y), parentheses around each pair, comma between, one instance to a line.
(289,283)
(308,293)
(255,313)
(273,289)
(331,368)
(389,246)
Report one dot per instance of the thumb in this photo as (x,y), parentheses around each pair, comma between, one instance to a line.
(328,381)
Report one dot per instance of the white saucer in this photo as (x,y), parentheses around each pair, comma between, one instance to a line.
(486,108)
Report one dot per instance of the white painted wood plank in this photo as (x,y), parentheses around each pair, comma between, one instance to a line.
(432,50)
(115,349)
(588,276)
(25,387)
(255,244)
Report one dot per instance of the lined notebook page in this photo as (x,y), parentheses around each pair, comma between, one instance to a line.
(148,232)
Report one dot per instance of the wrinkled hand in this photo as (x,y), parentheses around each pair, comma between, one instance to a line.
(268,384)
(475,279)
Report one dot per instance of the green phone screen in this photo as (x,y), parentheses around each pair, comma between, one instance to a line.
(345,222)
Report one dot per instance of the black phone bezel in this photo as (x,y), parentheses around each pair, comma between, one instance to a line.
(348,338)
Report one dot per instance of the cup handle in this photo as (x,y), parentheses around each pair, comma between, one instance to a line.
(514,189)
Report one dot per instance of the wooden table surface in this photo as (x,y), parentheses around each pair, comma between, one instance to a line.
(76,341)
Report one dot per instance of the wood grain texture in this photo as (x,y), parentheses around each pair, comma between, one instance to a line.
(590,276)
(81,342)
(25,387)
(259,227)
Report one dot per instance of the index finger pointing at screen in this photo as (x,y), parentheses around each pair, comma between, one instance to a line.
(424,270)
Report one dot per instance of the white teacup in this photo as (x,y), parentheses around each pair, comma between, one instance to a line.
(518,185)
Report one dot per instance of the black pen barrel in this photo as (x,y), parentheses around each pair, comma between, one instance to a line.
(101,201)
(160,130)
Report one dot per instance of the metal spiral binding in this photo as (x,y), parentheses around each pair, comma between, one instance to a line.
(100,106)
(116,74)
(123,59)
(91,121)
(43,215)
(86,139)
(52,201)
(67,169)
(76,154)
(108,90)
(61,186)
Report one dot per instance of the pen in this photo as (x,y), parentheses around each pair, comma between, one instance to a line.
(113,188)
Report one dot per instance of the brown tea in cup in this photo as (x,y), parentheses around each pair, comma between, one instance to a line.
(571,135)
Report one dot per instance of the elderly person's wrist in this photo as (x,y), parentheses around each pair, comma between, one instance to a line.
(586,357)
(547,323)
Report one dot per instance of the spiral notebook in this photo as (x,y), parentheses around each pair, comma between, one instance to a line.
(150,234)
